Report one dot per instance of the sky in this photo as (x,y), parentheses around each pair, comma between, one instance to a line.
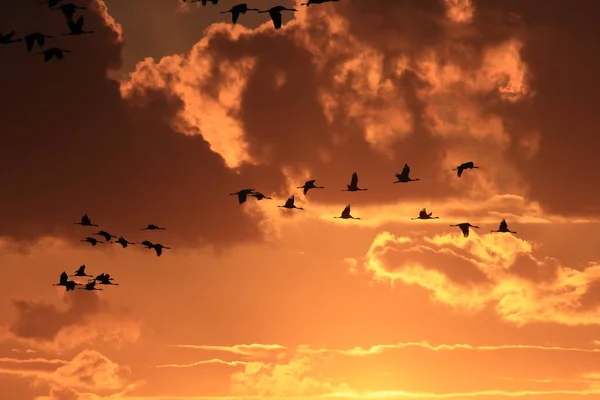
(167,108)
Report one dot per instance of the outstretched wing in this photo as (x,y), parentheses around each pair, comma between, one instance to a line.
(423,213)
(405,170)
(503,225)
(459,171)
(79,22)
(235,14)
(276,17)
(85,219)
(289,202)
(465,229)
(346,212)
(29,41)
(63,278)
(354,180)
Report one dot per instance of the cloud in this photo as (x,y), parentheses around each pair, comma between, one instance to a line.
(489,269)
(86,318)
(247,350)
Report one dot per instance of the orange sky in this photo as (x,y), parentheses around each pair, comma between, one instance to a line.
(166,109)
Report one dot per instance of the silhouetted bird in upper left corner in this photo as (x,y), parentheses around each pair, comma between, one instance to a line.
(76,28)
(238,9)
(309,2)
(69,10)
(36,37)
(8,38)
(85,221)
(275,14)
(54,52)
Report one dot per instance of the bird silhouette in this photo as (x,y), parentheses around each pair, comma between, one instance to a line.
(215,2)
(81,272)
(238,9)
(91,240)
(404,177)
(159,248)
(242,195)
(259,196)
(54,52)
(91,285)
(123,242)
(464,227)
(69,10)
(309,2)
(424,215)
(346,214)
(148,244)
(503,228)
(309,185)
(151,227)
(468,165)
(105,279)
(101,277)
(275,14)
(64,281)
(85,221)
(289,204)
(76,28)
(8,38)
(36,37)
(107,236)
(353,186)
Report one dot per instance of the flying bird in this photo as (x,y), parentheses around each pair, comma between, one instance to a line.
(101,277)
(54,52)
(81,272)
(424,215)
(238,9)
(76,28)
(91,285)
(8,38)
(503,228)
(346,214)
(69,10)
(215,2)
(464,227)
(85,221)
(289,204)
(123,242)
(404,177)
(64,281)
(36,37)
(353,186)
(148,244)
(151,227)
(259,196)
(275,13)
(468,165)
(91,240)
(309,185)
(159,248)
(242,195)
(309,2)
(107,236)
(105,279)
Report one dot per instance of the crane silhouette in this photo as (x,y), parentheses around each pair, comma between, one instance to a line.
(54,52)
(8,38)
(309,2)
(353,186)
(346,214)
(81,272)
(36,38)
(91,240)
(107,236)
(464,227)
(309,185)
(238,9)
(424,215)
(85,221)
(503,228)
(404,177)
(148,244)
(76,27)
(158,248)
(275,14)
(123,242)
(467,165)
(101,277)
(242,195)
(289,204)
(105,279)
(151,227)
(69,10)
(64,281)
(259,196)
(91,285)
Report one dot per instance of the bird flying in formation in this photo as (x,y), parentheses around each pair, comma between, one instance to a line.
(353,185)
(464,227)
(467,165)
(275,14)
(242,195)
(237,10)
(404,177)
(81,271)
(151,227)
(346,214)
(289,204)
(36,38)
(503,228)
(309,185)
(424,215)
(309,2)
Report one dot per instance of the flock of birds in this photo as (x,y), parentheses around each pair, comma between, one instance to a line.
(274,12)
(403,177)
(105,279)
(75,28)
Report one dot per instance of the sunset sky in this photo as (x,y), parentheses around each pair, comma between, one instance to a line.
(167,108)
